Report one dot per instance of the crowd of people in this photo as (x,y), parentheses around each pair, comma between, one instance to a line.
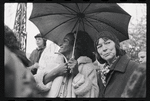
(74,75)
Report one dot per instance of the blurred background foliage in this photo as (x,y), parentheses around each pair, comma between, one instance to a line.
(137,35)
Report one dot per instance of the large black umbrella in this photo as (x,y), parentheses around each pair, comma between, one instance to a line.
(55,20)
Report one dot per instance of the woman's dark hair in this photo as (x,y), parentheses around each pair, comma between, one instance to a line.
(84,45)
(10,39)
(13,44)
(119,52)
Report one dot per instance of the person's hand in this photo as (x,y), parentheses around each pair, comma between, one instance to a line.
(73,65)
(62,69)
(78,80)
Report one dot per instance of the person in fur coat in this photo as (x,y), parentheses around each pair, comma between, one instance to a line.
(77,76)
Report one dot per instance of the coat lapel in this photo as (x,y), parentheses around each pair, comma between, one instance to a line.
(120,65)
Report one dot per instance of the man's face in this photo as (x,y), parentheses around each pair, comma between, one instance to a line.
(106,49)
(39,42)
(142,57)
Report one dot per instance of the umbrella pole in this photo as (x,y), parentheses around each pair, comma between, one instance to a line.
(74,45)
(75,41)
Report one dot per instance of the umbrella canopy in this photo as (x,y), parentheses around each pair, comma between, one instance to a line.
(55,20)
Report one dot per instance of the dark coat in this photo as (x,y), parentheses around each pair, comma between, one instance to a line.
(35,55)
(136,86)
(117,79)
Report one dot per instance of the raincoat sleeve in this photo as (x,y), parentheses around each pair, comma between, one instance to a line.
(88,87)
(46,65)
(39,81)
(42,71)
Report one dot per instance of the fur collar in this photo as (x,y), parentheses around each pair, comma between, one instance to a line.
(84,60)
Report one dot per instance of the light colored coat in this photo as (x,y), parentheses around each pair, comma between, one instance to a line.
(51,89)
(88,88)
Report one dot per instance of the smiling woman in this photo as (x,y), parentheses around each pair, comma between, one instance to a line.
(67,44)
(63,79)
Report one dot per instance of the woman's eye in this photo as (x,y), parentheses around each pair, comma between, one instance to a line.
(99,46)
(107,42)
(66,41)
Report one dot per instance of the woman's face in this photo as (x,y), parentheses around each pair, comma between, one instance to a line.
(66,46)
(106,49)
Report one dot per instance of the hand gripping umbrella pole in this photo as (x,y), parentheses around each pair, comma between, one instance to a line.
(63,88)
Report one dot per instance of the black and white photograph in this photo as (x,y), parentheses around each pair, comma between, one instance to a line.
(75,50)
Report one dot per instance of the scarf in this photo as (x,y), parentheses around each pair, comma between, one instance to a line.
(106,70)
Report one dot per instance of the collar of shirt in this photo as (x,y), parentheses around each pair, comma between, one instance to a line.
(40,48)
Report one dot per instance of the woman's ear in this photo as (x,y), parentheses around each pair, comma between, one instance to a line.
(96,55)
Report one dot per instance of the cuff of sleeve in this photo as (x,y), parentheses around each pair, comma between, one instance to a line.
(84,88)
(40,85)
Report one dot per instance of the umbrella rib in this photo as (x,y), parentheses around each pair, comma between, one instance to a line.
(107,12)
(74,25)
(68,7)
(103,22)
(59,25)
(78,7)
(92,25)
(86,8)
(51,14)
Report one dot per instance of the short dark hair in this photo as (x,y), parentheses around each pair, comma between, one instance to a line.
(40,36)
(84,45)
(119,51)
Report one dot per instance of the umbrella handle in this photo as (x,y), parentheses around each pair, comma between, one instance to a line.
(75,35)
(62,55)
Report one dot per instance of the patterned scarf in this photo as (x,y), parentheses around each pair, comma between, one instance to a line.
(106,70)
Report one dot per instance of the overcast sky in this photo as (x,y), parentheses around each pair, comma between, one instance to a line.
(136,10)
